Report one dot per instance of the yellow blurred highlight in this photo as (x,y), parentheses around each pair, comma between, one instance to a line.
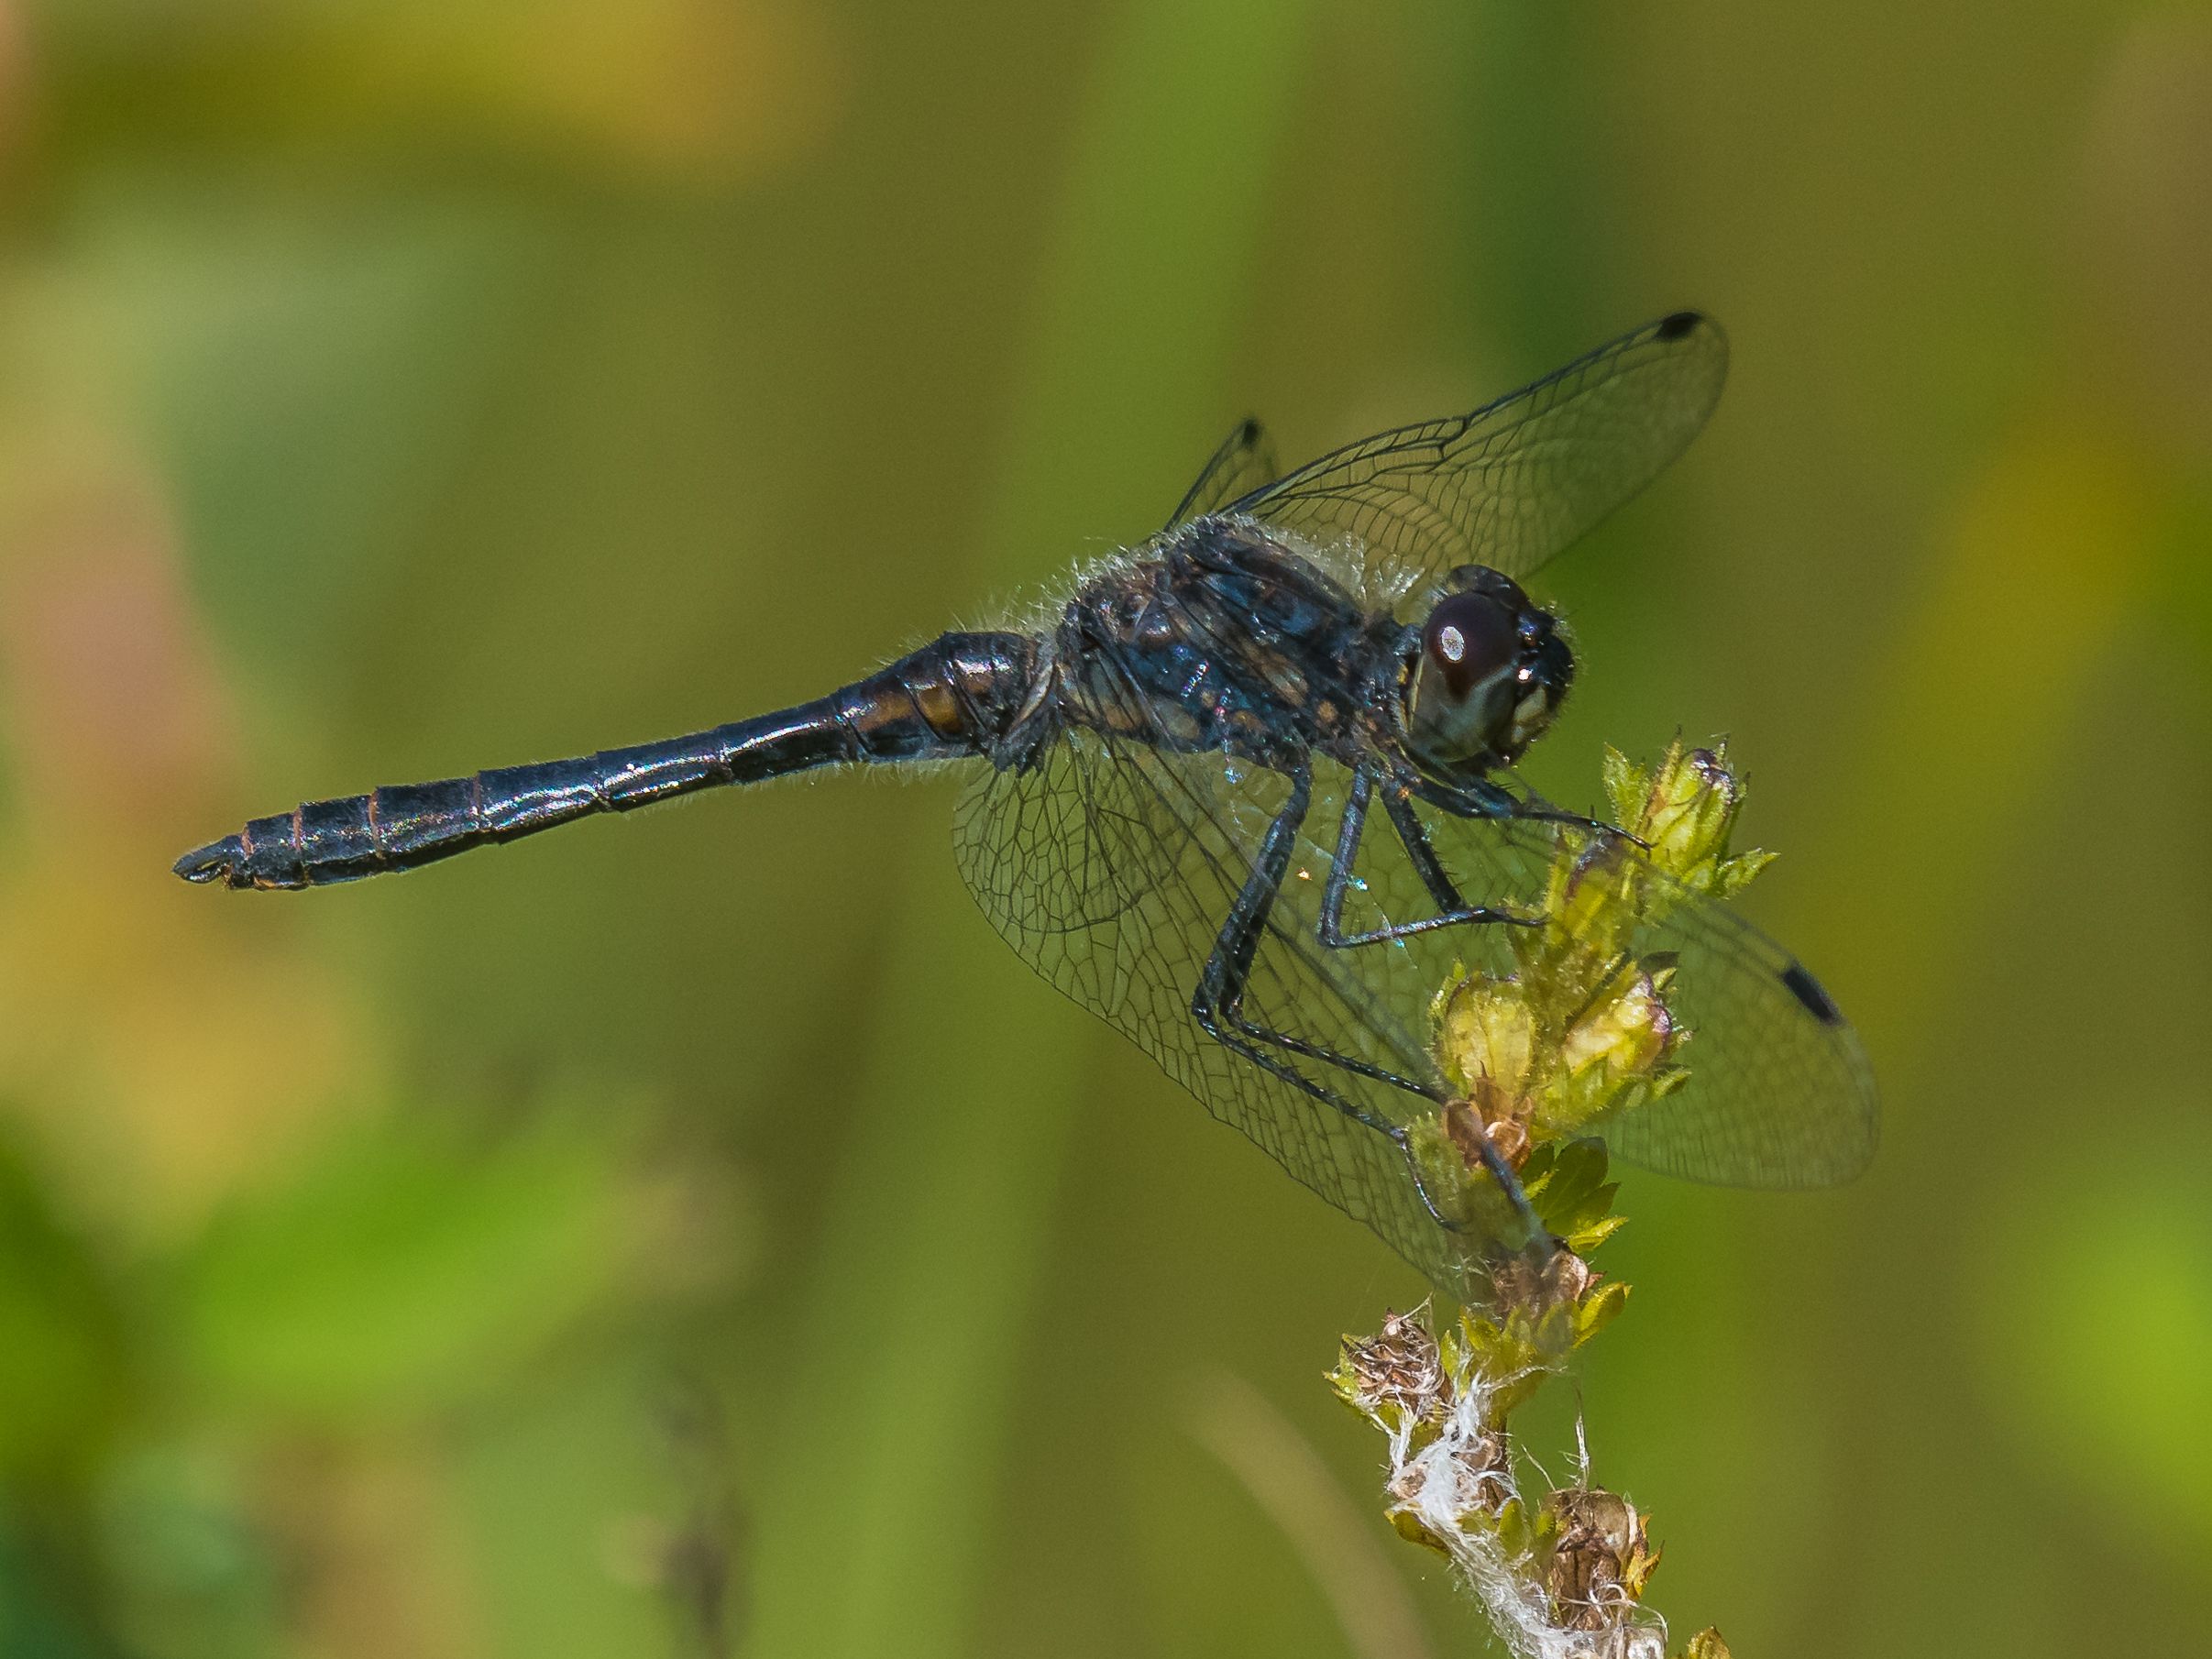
(165,1050)
(383,1558)
(1993,672)
(713,93)
(725,90)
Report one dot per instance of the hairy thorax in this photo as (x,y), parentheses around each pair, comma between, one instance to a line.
(1223,639)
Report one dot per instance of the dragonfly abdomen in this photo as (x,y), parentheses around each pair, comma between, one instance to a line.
(954,697)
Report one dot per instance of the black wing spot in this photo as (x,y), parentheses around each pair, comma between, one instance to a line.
(1674,328)
(1807,990)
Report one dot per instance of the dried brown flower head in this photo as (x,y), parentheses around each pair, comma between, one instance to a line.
(1603,1558)
(1399,1366)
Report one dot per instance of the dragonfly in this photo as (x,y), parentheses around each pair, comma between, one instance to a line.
(1246,791)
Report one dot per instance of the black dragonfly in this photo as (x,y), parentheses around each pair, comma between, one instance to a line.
(1246,793)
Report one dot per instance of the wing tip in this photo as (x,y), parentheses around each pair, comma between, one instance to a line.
(1695,332)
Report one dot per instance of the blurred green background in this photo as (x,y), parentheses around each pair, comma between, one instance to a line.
(698,1234)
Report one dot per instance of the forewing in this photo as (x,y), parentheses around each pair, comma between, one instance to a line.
(1515,482)
(1111,867)
(1244,463)
(1779,1091)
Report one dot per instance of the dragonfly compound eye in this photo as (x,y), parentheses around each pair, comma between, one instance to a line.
(1464,689)
(1470,638)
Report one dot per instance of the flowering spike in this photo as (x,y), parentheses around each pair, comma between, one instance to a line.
(1578,1033)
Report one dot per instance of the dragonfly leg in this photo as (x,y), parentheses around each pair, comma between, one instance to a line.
(1218,1008)
(1485,799)
(1453,911)
(1218,1005)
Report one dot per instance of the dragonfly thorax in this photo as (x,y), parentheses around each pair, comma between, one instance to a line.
(1226,641)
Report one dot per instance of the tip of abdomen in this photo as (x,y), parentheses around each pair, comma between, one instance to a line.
(218,861)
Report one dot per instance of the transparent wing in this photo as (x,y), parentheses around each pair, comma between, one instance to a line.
(1111,867)
(1244,463)
(1514,482)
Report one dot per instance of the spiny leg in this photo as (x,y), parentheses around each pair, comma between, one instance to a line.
(1218,1007)
(1218,1004)
(1483,798)
(1453,911)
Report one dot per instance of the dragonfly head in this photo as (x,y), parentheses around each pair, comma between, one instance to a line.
(1487,673)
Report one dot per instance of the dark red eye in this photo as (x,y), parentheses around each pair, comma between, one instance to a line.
(1469,638)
